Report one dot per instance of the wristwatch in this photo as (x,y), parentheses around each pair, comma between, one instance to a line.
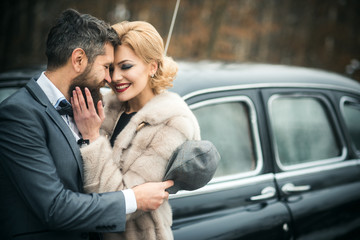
(81,142)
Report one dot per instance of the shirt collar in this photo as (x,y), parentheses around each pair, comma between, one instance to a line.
(52,92)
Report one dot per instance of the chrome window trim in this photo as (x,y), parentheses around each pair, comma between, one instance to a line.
(313,163)
(344,99)
(227,185)
(318,169)
(254,131)
(269,85)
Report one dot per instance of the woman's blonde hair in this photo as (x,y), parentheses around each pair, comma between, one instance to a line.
(148,45)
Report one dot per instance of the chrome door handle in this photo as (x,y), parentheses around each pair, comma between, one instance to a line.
(291,188)
(266,193)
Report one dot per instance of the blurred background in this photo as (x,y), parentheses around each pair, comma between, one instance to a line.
(321,34)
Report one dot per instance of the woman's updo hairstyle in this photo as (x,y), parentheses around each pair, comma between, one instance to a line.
(148,45)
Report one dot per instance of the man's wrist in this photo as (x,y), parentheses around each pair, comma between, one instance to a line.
(130,201)
(83,142)
(91,137)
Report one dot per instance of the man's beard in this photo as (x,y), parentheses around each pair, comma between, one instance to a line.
(85,80)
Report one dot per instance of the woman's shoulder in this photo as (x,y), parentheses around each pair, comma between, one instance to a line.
(166,104)
(167,107)
(168,98)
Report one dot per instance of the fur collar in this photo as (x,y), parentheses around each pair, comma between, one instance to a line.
(158,110)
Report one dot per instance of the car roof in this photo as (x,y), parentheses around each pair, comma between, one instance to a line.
(197,77)
(19,77)
(206,76)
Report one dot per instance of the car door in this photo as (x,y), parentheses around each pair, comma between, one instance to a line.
(317,177)
(241,201)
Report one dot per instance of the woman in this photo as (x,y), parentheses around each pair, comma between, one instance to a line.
(145,124)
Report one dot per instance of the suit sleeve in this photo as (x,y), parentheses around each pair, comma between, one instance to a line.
(26,160)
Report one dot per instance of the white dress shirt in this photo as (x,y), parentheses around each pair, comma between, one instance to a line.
(55,96)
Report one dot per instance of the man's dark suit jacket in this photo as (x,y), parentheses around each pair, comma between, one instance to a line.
(41,176)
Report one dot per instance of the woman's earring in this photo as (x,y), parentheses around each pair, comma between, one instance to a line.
(152,75)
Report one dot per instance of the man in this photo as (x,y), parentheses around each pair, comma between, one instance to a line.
(40,162)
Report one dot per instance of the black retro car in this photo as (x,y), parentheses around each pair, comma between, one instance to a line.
(289,140)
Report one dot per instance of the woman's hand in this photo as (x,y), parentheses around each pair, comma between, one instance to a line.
(86,118)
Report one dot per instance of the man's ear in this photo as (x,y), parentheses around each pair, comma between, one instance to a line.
(79,60)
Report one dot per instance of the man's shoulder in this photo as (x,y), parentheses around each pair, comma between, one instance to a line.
(19,98)
(21,102)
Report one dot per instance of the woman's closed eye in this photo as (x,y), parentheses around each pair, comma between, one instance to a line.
(126,66)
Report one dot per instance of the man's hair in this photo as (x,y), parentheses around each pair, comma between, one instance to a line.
(74,30)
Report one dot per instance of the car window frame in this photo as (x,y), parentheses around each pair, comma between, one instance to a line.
(240,179)
(333,123)
(342,101)
(254,131)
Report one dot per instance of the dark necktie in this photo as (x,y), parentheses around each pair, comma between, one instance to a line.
(64,108)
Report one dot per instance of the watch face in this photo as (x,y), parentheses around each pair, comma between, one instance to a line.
(83,141)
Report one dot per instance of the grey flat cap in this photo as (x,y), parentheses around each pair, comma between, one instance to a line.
(192,165)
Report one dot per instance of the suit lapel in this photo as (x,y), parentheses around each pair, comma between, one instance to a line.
(35,90)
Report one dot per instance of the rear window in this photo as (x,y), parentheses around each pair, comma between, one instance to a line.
(6,92)
(302,130)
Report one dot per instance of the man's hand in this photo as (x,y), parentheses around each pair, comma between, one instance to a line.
(149,196)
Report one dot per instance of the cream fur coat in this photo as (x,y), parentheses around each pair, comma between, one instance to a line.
(141,152)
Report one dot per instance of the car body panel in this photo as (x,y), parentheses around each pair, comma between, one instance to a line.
(225,211)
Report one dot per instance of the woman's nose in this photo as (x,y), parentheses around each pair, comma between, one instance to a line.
(116,75)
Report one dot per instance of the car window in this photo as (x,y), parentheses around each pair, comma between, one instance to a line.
(230,124)
(6,92)
(351,113)
(302,130)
